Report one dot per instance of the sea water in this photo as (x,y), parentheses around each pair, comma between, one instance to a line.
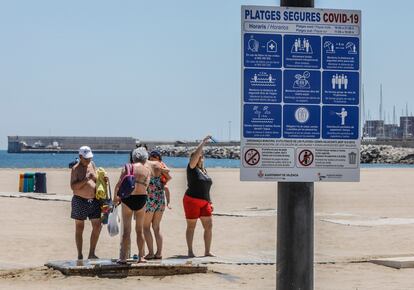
(59,160)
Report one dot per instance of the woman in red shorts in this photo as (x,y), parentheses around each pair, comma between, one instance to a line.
(197,202)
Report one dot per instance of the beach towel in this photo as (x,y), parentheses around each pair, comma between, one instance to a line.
(101,186)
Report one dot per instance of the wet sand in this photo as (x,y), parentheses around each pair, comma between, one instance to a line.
(34,232)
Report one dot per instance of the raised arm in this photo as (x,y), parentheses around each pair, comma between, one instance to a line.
(199,150)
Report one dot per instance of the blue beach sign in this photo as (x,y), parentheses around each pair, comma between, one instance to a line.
(300,94)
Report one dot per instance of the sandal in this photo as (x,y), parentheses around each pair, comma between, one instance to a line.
(149,257)
(122,262)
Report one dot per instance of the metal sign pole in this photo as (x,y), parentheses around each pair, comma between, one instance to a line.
(295,236)
(300,84)
(295,223)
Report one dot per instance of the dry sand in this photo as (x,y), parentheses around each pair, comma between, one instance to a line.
(34,232)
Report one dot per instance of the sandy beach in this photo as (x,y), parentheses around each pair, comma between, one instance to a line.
(354,222)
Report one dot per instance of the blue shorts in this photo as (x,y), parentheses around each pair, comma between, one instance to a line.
(83,208)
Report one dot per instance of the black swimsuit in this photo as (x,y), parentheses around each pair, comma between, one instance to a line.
(135,202)
(199,183)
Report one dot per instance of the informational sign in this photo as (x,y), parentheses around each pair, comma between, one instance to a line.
(300,100)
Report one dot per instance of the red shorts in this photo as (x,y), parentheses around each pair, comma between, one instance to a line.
(195,207)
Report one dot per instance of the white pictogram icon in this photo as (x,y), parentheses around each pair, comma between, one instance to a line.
(343,114)
(339,82)
(351,48)
(302,115)
(253,44)
(271,46)
(262,79)
(301,46)
(263,113)
(330,48)
(301,81)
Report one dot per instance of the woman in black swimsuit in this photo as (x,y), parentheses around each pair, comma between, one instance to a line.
(134,204)
(196,201)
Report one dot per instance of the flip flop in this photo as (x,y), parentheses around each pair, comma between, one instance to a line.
(149,257)
(122,262)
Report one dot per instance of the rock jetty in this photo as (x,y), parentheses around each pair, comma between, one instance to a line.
(386,154)
(216,152)
(369,153)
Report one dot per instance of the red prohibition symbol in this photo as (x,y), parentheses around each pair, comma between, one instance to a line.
(305,157)
(252,157)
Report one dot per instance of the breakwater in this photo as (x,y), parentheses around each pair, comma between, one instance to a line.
(215,152)
(386,154)
(368,154)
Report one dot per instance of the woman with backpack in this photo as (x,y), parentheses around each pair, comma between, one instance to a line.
(131,191)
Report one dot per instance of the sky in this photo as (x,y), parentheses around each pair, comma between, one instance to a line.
(160,70)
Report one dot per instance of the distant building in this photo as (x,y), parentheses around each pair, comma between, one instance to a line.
(392,131)
(379,130)
(17,144)
(407,127)
(374,129)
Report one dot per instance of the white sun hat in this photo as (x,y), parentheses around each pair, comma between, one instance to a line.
(85,152)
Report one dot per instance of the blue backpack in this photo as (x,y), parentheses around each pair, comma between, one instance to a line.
(127,183)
